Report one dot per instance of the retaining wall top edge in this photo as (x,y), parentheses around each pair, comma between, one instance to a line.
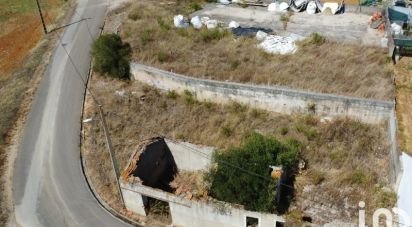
(316,95)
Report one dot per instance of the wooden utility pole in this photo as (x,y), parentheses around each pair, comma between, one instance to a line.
(111,152)
(41,17)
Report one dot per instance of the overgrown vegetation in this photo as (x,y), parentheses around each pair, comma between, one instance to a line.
(241,174)
(314,39)
(111,56)
(332,150)
(214,54)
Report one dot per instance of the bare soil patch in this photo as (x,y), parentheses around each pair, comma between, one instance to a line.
(347,161)
(328,67)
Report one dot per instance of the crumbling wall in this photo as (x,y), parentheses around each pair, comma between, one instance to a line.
(190,157)
(277,99)
(195,213)
(155,166)
(146,168)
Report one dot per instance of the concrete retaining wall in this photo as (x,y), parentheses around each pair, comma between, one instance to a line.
(277,99)
(395,166)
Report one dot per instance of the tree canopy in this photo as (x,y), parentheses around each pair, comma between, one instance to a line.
(111,56)
(241,175)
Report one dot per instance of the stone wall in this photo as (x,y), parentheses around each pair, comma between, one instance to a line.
(277,99)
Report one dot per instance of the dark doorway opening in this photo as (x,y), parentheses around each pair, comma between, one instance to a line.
(158,210)
(252,222)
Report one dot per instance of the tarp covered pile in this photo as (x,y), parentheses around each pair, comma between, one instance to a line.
(310,6)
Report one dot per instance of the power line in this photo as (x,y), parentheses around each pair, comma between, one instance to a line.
(41,17)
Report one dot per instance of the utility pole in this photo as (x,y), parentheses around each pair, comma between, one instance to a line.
(41,17)
(112,155)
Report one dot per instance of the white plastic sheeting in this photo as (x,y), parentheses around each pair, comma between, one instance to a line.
(405,191)
(274,44)
(396,29)
(261,35)
(233,24)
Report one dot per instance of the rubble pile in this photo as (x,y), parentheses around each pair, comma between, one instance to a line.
(190,185)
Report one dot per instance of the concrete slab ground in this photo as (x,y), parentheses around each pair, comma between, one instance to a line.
(348,27)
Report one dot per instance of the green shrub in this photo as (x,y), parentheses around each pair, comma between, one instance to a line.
(111,56)
(208,35)
(241,174)
(314,39)
(234,64)
(317,39)
(164,26)
(172,95)
(195,6)
(226,131)
(163,56)
(189,97)
(134,15)
(358,177)
(284,131)
(146,36)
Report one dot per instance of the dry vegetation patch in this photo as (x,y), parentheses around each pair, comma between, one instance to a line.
(327,67)
(347,161)
(403,72)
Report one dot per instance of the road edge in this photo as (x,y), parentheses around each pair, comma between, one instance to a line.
(83,162)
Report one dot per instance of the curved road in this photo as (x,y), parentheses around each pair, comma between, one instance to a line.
(49,188)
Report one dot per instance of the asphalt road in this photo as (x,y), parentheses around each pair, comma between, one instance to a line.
(49,188)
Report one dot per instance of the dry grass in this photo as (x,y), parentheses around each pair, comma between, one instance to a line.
(404,103)
(346,159)
(327,67)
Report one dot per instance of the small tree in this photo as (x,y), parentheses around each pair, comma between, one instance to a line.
(111,56)
(242,175)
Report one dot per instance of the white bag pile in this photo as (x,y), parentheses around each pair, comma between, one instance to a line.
(278,7)
(274,44)
(180,22)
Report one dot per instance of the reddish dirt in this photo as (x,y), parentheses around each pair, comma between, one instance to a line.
(21,33)
(16,45)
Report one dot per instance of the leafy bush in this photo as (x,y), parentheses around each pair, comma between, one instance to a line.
(111,56)
(241,175)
